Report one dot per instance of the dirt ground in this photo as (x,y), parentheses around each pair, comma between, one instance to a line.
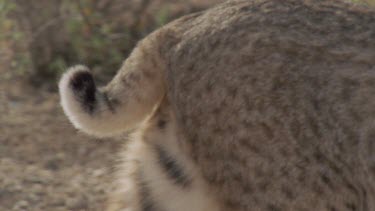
(45,164)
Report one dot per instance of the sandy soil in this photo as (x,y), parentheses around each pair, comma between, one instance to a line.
(45,164)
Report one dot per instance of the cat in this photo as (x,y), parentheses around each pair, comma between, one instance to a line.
(252,105)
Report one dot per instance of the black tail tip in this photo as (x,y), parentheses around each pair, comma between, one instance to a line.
(82,80)
(83,86)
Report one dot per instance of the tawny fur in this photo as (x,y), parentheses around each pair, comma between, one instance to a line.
(253,105)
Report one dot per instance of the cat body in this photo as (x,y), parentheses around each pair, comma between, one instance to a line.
(251,105)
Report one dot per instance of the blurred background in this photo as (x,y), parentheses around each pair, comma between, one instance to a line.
(45,164)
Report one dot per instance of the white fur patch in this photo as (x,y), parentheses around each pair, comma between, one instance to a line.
(97,124)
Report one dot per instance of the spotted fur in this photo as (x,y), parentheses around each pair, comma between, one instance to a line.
(253,105)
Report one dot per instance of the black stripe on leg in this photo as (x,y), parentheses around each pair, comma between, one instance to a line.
(172,168)
(146,201)
(83,86)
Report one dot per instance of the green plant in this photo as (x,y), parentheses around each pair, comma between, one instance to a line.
(11,41)
(162,16)
(364,2)
(7,26)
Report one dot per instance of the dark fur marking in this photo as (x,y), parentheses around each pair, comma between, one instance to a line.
(84,88)
(326,180)
(331,208)
(272,207)
(134,77)
(288,193)
(161,123)
(172,168)
(351,206)
(146,202)
(148,74)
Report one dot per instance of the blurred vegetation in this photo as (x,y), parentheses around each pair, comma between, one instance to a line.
(11,38)
(47,36)
(364,2)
